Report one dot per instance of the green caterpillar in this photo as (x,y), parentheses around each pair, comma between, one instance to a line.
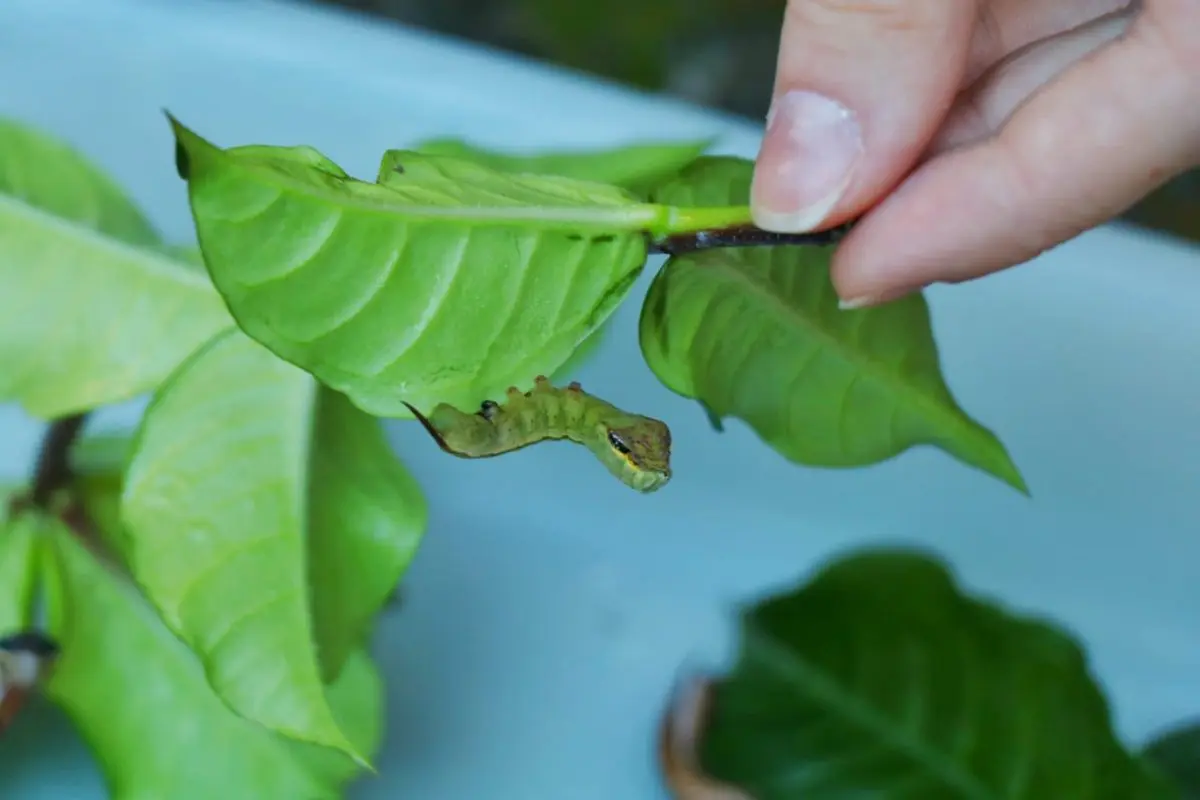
(636,449)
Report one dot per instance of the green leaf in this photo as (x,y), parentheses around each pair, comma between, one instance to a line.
(18,569)
(92,312)
(140,700)
(708,181)
(444,281)
(98,463)
(881,678)
(1177,754)
(47,174)
(635,167)
(366,517)
(757,334)
(266,520)
(583,353)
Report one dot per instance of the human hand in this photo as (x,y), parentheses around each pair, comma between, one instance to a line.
(1027,122)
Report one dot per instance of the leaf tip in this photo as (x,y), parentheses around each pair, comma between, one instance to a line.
(188,144)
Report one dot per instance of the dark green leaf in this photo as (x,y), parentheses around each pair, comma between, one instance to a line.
(140,700)
(881,678)
(634,167)
(1177,754)
(92,312)
(444,281)
(288,498)
(366,517)
(757,334)
(18,569)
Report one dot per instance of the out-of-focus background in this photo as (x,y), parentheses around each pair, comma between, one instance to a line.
(719,53)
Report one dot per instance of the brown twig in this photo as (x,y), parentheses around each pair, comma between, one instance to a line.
(53,471)
(744,236)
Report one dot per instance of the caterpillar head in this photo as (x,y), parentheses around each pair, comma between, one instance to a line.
(639,452)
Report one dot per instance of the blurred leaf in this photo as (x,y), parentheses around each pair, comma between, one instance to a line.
(880,678)
(757,334)
(445,281)
(214,511)
(300,523)
(707,181)
(98,462)
(18,569)
(366,516)
(635,167)
(1177,753)
(92,312)
(140,700)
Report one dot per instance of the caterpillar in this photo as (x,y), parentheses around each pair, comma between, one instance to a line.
(635,449)
(24,660)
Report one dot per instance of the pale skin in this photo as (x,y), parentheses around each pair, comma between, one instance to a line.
(971,135)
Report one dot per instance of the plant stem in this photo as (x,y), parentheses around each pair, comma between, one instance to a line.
(743,236)
(53,470)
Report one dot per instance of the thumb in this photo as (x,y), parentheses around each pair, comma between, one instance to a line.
(861,87)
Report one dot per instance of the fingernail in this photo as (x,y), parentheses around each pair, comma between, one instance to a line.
(868,300)
(808,155)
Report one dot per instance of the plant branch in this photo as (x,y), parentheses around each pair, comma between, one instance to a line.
(744,236)
(53,470)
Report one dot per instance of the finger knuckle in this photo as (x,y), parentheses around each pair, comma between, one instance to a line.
(879,15)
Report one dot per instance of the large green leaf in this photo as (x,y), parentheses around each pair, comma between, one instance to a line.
(1176,753)
(366,517)
(444,281)
(18,569)
(140,700)
(635,167)
(253,495)
(92,310)
(757,334)
(881,678)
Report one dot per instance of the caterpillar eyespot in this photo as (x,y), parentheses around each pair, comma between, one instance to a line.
(615,440)
(634,448)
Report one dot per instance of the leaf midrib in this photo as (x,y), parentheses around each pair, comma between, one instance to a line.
(813,684)
(866,364)
(631,216)
(154,264)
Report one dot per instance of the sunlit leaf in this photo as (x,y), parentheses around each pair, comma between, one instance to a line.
(366,517)
(214,510)
(756,334)
(18,569)
(881,678)
(635,167)
(242,464)
(92,312)
(443,281)
(140,699)
(1176,753)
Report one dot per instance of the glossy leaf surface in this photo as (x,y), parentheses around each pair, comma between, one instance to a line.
(445,281)
(756,334)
